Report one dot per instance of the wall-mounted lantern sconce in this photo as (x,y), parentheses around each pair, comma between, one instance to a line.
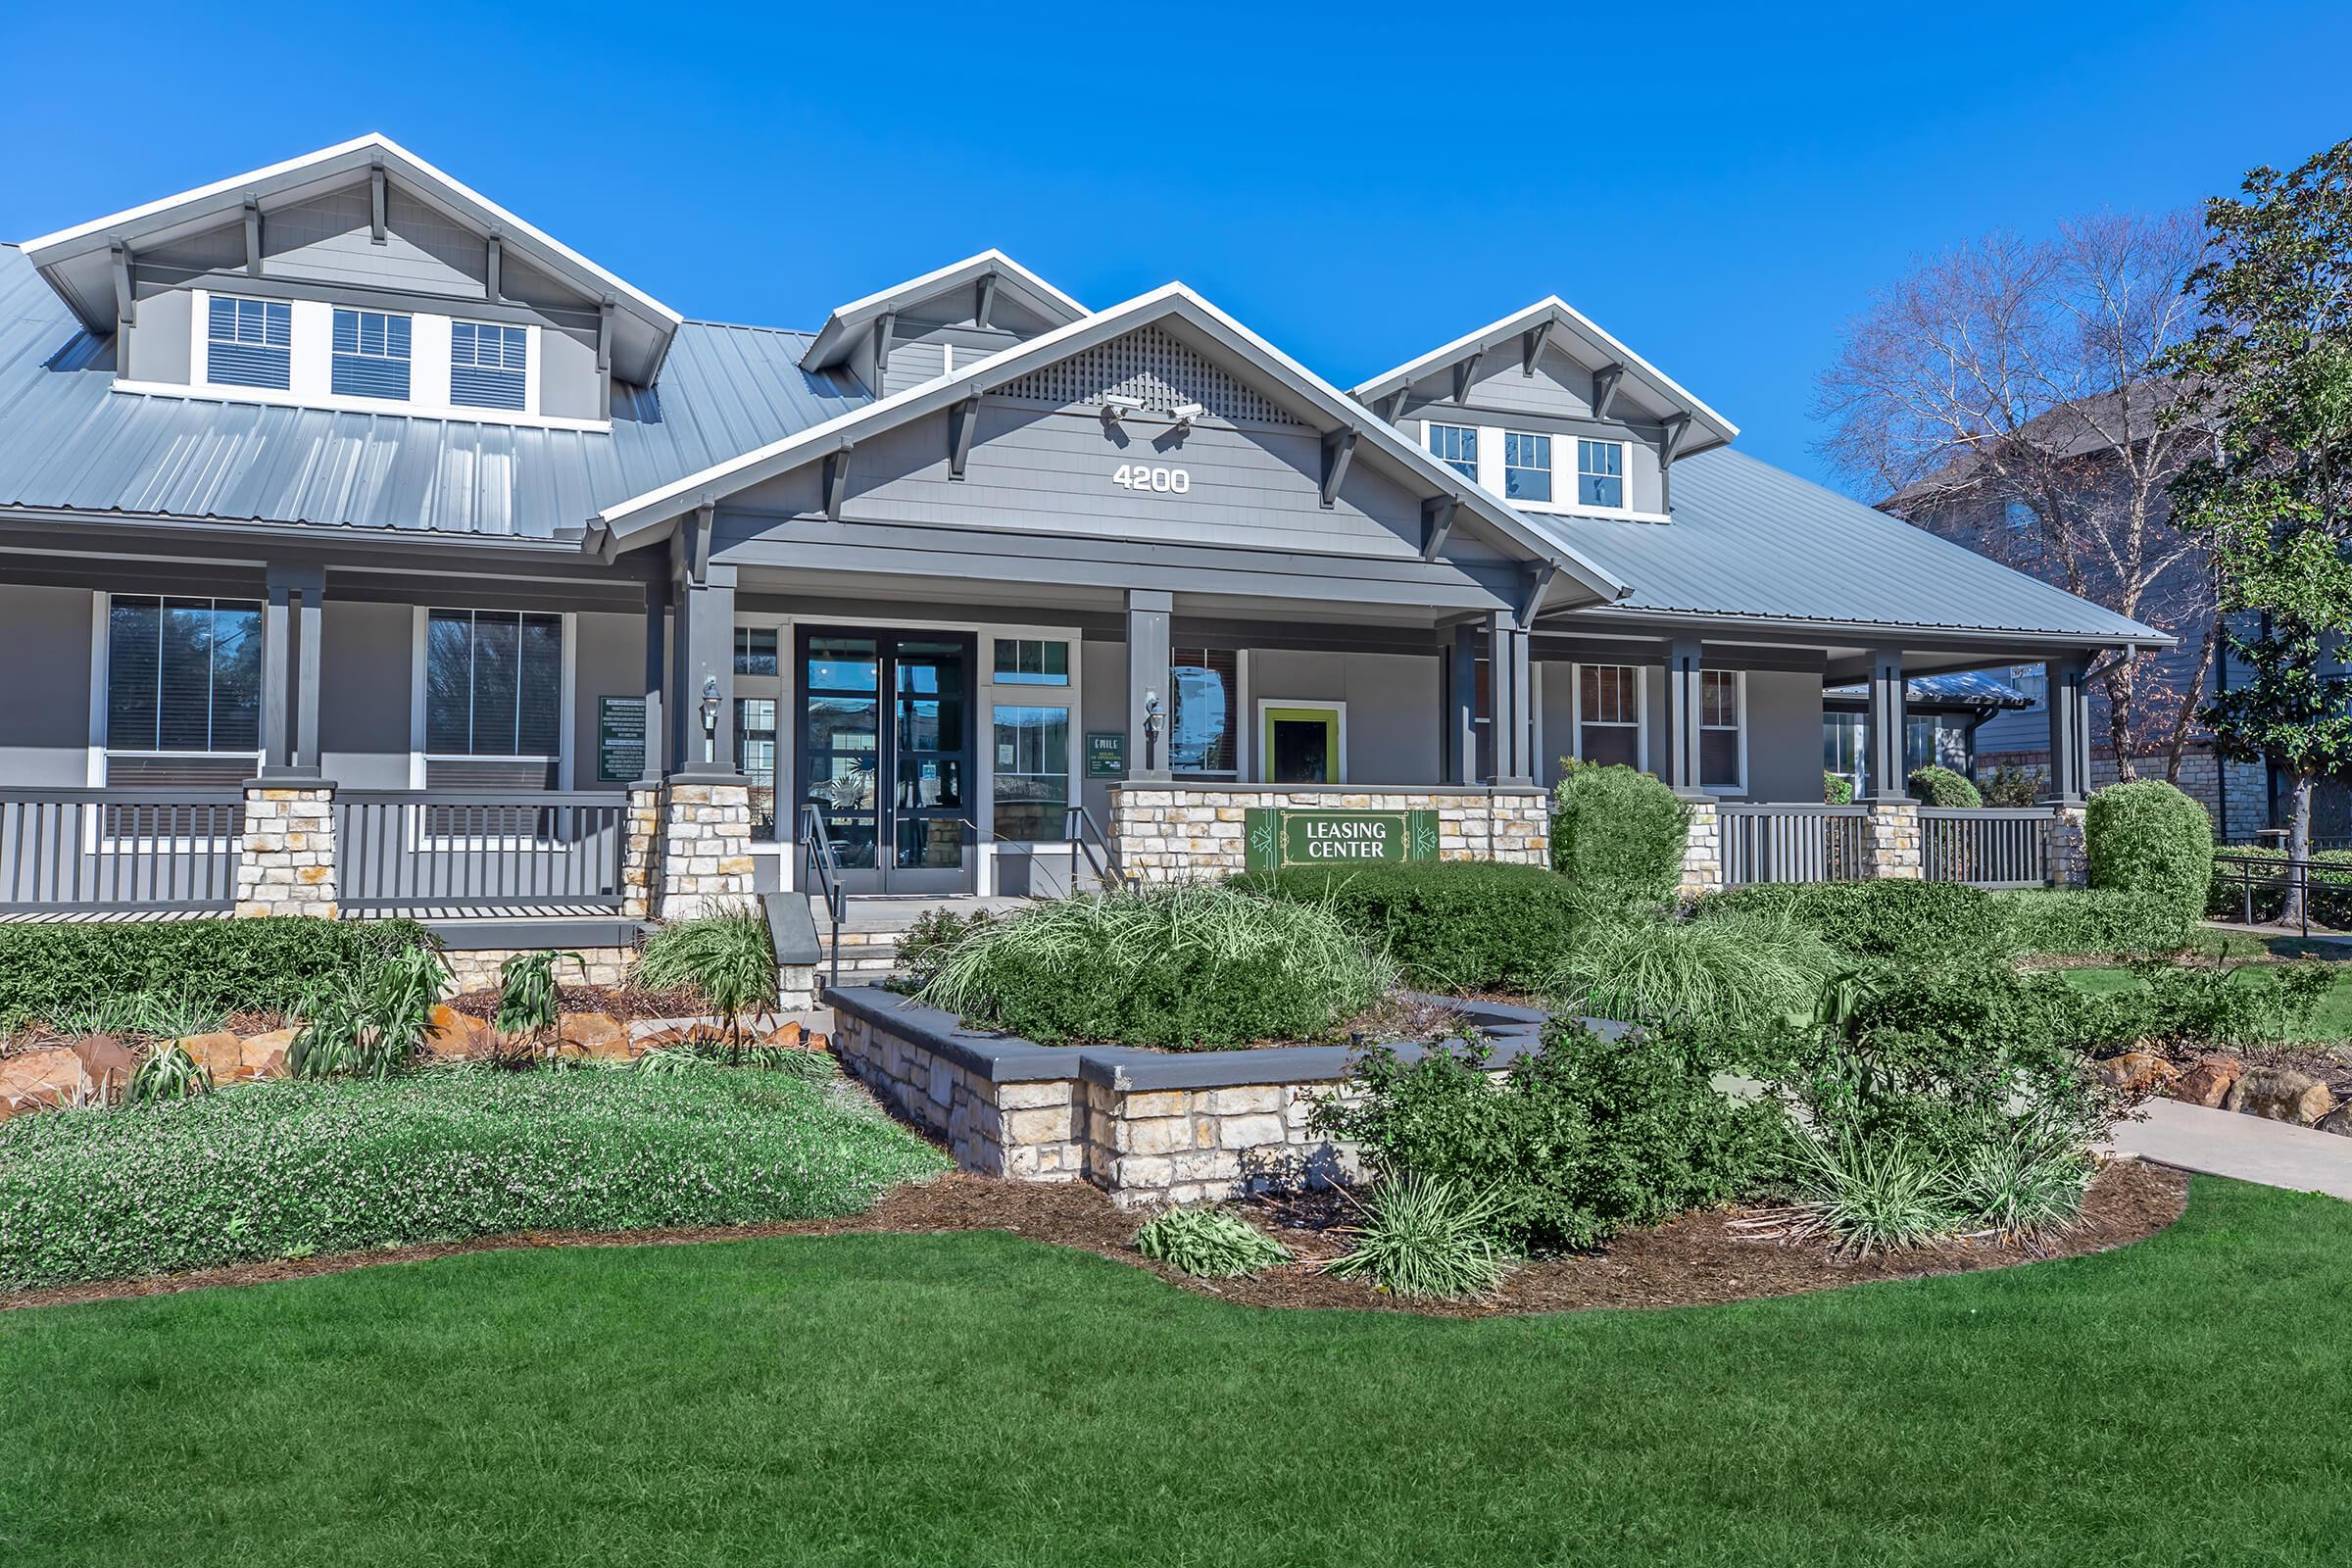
(1151,727)
(709,718)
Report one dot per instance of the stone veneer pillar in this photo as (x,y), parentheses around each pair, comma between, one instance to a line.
(705,855)
(1891,845)
(2070,863)
(1702,850)
(641,852)
(286,849)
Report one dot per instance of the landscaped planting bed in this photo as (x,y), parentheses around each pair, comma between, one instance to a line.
(283,1169)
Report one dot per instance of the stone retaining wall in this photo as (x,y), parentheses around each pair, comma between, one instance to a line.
(1186,832)
(476,968)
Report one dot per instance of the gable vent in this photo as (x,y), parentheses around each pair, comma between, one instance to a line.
(1151,366)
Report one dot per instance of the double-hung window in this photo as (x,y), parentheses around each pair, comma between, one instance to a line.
(494,692)
(370,355)
(249,342)
(1601,475)
(183,679)
(1456,446)
(1526,466)
(488,365)
(1722,708)
(1608,713)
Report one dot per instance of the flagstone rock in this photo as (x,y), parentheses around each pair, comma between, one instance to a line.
(2280,1094)
(2208,1081)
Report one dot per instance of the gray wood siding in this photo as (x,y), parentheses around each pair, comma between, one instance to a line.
(328,240)
(911,365)
(45,703)
(1559,385)
(156,348)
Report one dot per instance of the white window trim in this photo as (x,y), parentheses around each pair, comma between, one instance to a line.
(95,763)
(1258,730)
(1740,683)
(312,357)
(991,693)
(1491,477)
(567,718)
(1575,711)
(1553,469)
(1429,429)
(1625,478)
(530,364)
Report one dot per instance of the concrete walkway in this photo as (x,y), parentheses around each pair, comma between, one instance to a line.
(2222,1143)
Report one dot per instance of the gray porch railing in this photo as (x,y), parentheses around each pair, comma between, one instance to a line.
(1792,844)
(1986,845)
(408,851)
(119,850)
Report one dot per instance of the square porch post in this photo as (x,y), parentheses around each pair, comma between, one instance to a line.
(1510,693)
(657,676)
(1883,754)
(1684,664)
(1461,704)
(292,628)
(2068,696)
(704,665)
(1150,704)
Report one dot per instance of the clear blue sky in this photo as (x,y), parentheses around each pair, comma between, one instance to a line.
(1720,189)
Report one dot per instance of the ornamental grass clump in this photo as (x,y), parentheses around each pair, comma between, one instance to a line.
(1427,1238)
(369,1020)
(1729,973)
(1208,1244)
(727,959)
(1188,966)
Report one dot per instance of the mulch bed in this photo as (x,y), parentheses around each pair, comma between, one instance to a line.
(615,1001)
(1694,1261)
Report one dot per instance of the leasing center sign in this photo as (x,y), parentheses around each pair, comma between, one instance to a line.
(1273,837)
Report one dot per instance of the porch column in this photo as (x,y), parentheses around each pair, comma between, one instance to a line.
(1511,693)
(704,670)
(1882,741)
(1150,704)
(1461,704)
(1685,662)
(641,845)
(657,673)
(2068,702)
(292,616)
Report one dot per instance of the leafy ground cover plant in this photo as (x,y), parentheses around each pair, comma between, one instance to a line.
(1209,1243)
(223,965)
(1453,926)
(529,1004)
(1581,1138)
(1729,973)
(2147,837)
(926,940)
(728,959)
(1618,832)
(2094,922)
(288,1168)
(1427,1237)
(1187,965)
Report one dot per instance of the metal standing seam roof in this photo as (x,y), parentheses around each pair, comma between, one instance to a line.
(69,442)
(1749,540)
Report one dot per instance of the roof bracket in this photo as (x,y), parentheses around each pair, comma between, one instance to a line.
(694,542)
(375,199)
(253,237)
(603,337)
(126,304)
(1539,583)
(1678,431)
(1605,381)
(963,421)
(884,325)
(1395,405)
(1530,345)
(1437,521)
(1465,371)
(836,480)
(1339,446)
(494,255)
(984,299)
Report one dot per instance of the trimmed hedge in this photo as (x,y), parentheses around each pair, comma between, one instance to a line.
(1837,789)
(1455,926)
(2090,924)
(1928,921)
(2147,837)
(1941,787)
(1618,832)
(234,965)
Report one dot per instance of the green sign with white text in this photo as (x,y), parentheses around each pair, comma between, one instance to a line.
(1106,754)
(1273,837)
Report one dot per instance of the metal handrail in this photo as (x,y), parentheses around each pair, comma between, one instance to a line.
(825,878)
(1089,842)
(2287,872)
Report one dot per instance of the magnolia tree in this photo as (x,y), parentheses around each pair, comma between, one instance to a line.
(2270,373)
(2011,392)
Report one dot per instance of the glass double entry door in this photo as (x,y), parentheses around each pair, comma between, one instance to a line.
(885,751)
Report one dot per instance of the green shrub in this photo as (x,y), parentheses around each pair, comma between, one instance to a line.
(2330,880)
(2208,1006)
(1618,832)
(1729,972)
(2011,786)
(224,966)
(1837,789)
(1210,1244)
(290,1168)
(1580,1137)
(1939,786)
(2147,837)
(368,1021)
(2078,922)
(727,959)
(1426,1237)
(1889,919)
(928,939)
(1453,926)
(529,998)
(1187,966)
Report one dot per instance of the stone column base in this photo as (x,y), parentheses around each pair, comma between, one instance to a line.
(1892,847)
(286,849)
(2070,861)
(706,847)
(1702,850)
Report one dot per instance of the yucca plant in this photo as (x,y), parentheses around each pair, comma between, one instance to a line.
(167,1072)
(1863,1198)
(368,1022)
(1209,1243)
(1427,1238)
(727,959)
(2024,1185)
(530,1004)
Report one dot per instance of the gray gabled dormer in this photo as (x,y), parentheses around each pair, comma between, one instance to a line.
(943,322)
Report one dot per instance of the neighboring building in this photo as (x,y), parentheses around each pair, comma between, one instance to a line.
(340,472)
(1943,714)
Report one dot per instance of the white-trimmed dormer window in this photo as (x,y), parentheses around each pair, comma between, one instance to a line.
(1526,466)
(1600,475)
(250,342)
(488,365)
(372,353)
(1457,447)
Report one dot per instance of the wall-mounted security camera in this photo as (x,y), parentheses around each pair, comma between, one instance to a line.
(1184,414)
(1117,406)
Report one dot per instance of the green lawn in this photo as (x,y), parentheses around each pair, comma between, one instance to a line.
(2332,1022)
(975,1400)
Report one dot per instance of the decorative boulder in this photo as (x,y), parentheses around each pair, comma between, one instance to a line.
(2280,1094)
(2337,1121)
(2136,1072)
(593,1034)
(103,1057)
(219,1055)
(264,1056)
(452,1035)
(2208,1081)
(34,1080)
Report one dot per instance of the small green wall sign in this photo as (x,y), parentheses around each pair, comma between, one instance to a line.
(619,739)
(1106,754)
(1273,837)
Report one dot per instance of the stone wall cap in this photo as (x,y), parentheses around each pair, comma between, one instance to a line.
(708,775)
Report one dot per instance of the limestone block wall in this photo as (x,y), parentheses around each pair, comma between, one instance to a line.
(1891,845)
(641,853)
(286,851)
(1020,1129)
(2070,865)
(706,853)
(1196,1146)
(1702,850)
(476,968)
(1193,832)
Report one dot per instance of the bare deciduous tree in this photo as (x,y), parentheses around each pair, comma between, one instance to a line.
(2004,391)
